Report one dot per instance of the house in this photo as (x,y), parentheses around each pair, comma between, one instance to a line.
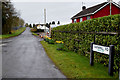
(100,10)
(54,25)
(41,26)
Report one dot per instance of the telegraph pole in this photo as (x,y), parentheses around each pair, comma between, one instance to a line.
(45,19)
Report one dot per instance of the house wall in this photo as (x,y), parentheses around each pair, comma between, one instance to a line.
(106,11)
(115,10)
(84,18)
(91,16)
(78,20)
(72,20)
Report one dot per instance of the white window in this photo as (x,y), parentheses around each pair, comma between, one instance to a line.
(88,17)
(75,20)
(81,19)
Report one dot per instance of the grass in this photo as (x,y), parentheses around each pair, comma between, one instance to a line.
(34,34)
(73,65)
(14,33)
(33,31)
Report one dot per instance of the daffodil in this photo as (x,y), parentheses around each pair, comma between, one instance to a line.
(49,38)
(59,42)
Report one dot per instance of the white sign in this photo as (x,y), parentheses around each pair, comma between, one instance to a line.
(101,49)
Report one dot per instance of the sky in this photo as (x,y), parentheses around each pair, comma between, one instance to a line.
(32,11)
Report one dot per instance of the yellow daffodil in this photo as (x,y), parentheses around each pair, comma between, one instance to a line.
(59,42)
(49,38)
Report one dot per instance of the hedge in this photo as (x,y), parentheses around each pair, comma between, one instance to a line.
(77,37)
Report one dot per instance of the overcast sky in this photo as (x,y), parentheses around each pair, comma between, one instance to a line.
(32,11)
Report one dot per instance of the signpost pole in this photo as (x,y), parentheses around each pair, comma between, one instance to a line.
(111,60)
(106,50)
(91,54)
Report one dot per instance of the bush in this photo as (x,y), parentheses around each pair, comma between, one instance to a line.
(103,24)
(60,46)
(46,39)
(51,41)
(33,30)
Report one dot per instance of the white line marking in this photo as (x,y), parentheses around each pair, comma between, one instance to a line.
(2,45)
(7,41)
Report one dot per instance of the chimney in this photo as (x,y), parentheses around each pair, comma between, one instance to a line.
(84,7)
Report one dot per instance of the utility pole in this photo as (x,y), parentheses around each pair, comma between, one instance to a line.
(45,20)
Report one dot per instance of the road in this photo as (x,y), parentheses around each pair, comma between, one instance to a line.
(24,57)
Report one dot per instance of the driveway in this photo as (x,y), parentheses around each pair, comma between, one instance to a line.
(24,57)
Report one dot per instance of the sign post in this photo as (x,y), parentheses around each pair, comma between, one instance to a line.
(91,54)
(111,60)
(103,49)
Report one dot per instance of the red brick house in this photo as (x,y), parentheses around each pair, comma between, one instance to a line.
(96,11)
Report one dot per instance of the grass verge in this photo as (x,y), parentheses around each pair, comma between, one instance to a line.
(73,65)
(34,34)
(33,31)
(15,33)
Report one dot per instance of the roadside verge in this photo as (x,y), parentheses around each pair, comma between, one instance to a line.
(15,33)
(76,66)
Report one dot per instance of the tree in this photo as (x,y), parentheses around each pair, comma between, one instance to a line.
(33,25)
(47,25)
(53,22)
(16,21)
(26,25)
(30,26)
(21,22)
(50,23)
(10,17)
(58,22)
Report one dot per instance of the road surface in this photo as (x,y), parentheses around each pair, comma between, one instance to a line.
(24,57)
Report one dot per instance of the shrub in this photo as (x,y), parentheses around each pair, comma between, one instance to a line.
(33,30)
(103,24)
(60,46)
(47,40)
(51,41)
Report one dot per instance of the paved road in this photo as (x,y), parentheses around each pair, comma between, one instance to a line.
(24,57)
